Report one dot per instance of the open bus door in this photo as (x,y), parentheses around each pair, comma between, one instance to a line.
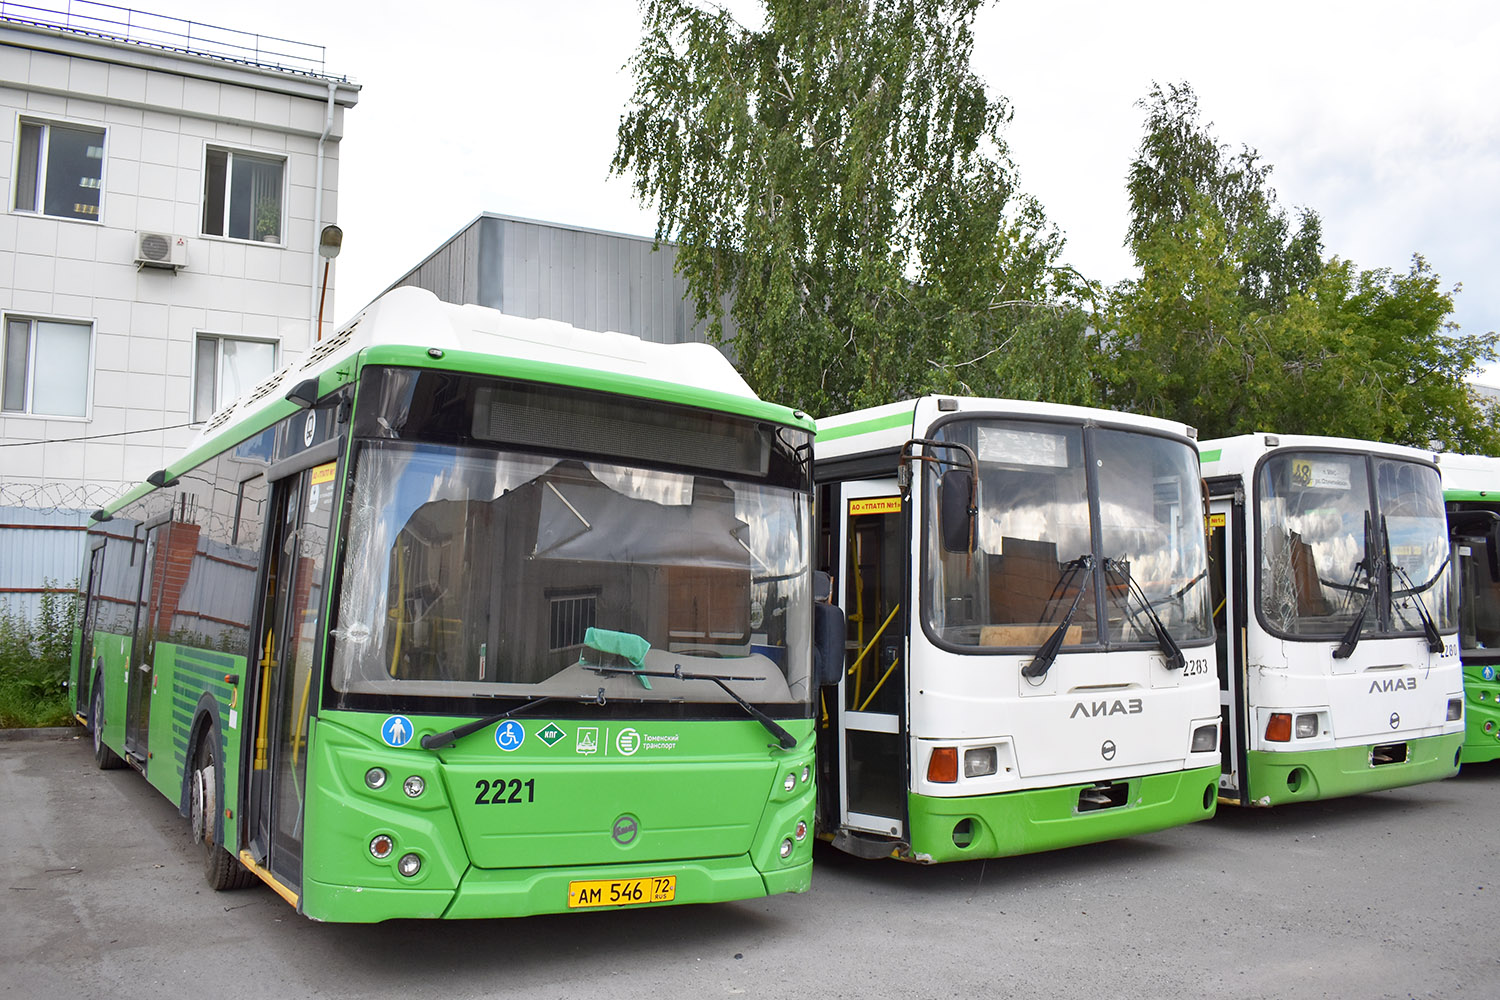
(285,678)
(1226,558)
(872,746)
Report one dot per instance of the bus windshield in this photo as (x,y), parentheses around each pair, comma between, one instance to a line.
(474,573)
(1035,561)
(1332,552)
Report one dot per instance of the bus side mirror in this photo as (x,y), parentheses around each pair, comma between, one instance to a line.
(955,513)
(828,644)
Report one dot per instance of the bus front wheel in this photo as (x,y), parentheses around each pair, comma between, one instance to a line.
(220,868)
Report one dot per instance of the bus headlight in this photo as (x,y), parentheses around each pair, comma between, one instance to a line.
(375,778)
(786,848)
(1205,738)
(409,865)
(980,761)
(1455,709)
(414,786)
(790,783)
(1307,727)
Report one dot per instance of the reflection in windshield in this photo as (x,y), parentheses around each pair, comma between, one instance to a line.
(1325,546)
(1036,522)
(477,573)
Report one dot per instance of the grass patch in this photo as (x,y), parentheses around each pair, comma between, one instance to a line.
(34,656)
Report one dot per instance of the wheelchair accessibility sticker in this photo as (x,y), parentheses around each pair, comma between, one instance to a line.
(509,735)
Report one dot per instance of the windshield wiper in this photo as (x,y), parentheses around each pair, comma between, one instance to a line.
(435,741)
(1429,627)
(1046,653)
(786,739)
(1372,573)
(1164,641)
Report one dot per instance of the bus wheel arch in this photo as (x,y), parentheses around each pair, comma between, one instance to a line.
(204,780)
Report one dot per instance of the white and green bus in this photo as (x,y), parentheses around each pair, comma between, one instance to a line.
(466,615)
(1471,492)
(1334,603)
(1030,640)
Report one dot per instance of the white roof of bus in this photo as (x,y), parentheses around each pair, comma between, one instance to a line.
(887,427)
(1237,455)
(1470,472)
(407,316)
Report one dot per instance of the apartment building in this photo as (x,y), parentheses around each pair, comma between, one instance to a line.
(166,184)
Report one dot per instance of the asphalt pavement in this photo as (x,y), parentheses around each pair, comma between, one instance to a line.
(1382,895)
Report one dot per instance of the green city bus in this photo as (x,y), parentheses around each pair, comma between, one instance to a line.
(466,615)
(1471,493)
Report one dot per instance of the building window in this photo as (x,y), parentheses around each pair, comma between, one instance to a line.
(226,369)
(569,618)
(59,170)
(46,367)
(242,196)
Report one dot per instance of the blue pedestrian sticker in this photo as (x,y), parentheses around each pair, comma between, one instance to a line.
(1489,673)
(509,735)
(396,731)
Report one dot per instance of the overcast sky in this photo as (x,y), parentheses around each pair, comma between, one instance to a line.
(1379,115)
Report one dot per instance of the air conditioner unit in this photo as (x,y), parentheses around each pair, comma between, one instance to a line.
(160,250)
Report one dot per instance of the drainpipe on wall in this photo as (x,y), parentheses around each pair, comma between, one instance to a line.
(312,283)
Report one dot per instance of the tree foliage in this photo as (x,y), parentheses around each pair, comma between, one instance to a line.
(1238,323)
(845,207)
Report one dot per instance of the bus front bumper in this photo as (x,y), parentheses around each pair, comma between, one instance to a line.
(1045,819)
(1276,778)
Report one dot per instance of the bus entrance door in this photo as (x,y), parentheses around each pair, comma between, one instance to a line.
(151,620)
(1226,556)
(285,683)
(872,692)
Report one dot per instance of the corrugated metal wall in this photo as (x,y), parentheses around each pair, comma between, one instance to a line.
(38,550)
(590,279)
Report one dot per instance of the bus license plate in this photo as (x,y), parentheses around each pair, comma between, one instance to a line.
(622,891)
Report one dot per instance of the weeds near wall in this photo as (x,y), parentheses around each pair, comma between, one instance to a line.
(34,656)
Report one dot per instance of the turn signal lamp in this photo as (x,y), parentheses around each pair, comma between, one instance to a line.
(381,846)
(1307,727)
(943,765)
(1279,727)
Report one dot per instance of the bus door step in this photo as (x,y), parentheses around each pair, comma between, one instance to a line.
(864,845)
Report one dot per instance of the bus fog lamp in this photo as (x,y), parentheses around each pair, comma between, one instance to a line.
(801,831)
(1279,727)
(1205,739)
(382,846)
(786,848)
(980,761)
(414,786)
(409,865)
(375,778)
(790,782)
(1455,709)
(1307,727)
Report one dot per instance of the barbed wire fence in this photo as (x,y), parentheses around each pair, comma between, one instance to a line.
(55,498)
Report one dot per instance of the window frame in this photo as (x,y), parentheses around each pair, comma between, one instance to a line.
(32,319)
(231,152)
(44,155)
(218,338)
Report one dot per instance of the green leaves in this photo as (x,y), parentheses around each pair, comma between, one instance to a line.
(1237,323)
(846,212)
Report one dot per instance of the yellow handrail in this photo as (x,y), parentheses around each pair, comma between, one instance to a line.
(888,671)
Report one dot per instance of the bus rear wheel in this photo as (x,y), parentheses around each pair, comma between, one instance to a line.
(104,758)
(221,869)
